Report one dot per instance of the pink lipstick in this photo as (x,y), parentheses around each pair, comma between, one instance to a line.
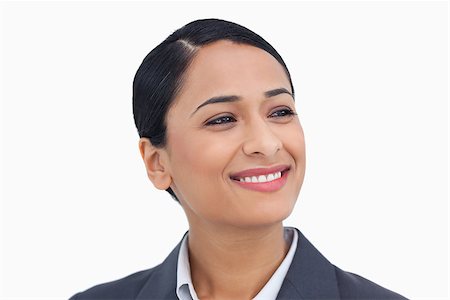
(262,179)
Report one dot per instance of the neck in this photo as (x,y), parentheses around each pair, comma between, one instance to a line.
(234,262)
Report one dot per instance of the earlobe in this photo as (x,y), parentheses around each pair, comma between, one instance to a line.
(155,161)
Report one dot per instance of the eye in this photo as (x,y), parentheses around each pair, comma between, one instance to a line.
(285,112)
(220,121)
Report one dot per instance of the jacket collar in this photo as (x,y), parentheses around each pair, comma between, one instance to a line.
(310,276)
(162,282)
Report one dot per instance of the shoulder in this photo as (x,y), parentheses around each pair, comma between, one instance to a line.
(156,283)
(352,286)
(312,276)
(125,288)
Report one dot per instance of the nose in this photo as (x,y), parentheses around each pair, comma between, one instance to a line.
(261,140)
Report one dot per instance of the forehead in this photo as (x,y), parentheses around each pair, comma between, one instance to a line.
(228,68)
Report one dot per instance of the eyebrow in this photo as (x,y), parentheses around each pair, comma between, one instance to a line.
(234,98)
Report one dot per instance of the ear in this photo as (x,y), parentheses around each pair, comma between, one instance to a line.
(155,160)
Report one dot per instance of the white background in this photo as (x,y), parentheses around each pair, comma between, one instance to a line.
(371,80)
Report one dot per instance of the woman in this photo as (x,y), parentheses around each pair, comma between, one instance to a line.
(214,107)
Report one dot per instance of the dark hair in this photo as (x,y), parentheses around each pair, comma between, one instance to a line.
(160,76)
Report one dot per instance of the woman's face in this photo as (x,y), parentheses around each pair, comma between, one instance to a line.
(244,133)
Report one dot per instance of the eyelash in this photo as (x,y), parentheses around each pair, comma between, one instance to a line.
(286,112)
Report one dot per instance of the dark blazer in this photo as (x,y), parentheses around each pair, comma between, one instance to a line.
(310,276)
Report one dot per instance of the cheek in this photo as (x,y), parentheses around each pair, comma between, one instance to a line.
(293,140)
(294,144)
(199,161)
(202,155)
(298,142)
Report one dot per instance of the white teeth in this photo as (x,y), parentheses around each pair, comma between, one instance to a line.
(261,178)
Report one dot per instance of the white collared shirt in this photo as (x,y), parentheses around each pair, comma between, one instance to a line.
(185,288)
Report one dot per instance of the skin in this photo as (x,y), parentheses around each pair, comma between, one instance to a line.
(236,238)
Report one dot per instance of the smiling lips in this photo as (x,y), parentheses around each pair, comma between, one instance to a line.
(262,179)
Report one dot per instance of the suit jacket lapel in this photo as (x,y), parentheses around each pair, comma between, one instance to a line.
(310,276)
(163,281)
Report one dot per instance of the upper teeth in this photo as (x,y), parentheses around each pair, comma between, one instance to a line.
(261,178)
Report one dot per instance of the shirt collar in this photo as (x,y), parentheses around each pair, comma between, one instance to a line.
(185,289)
